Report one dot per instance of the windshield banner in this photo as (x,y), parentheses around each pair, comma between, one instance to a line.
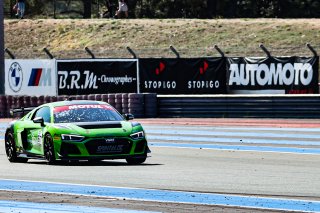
(292,75)
(97,76)
(183,75)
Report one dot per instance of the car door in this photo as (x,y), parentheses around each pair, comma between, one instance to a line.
(35,131)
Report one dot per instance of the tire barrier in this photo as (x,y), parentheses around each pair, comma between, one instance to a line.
(14,102)
(61,98)
(53,98)
(34,101)
(47,99)
(140,105)
(150,105)
(118,102)
(27,101)
(98,97)
(111,99)
(104,97)
(125,103)
(91,97)
(40,100)
(136,105)
(20,102)
(9,105)
(84,97)
(72,97)
(3,106)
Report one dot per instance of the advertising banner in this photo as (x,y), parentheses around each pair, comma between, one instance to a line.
(97,76)
(292,75)
(30,77)
(183,75)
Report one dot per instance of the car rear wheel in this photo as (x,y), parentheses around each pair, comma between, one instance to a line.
(10,146)
(136,161)
(49,149)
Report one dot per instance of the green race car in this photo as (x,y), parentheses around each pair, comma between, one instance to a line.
(76,130)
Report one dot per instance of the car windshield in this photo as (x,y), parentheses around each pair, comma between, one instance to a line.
(85,113)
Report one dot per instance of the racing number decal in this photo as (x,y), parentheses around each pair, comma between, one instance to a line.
(40,137)
(36,138)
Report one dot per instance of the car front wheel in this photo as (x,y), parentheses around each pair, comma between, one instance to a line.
(136,161)
(49,149)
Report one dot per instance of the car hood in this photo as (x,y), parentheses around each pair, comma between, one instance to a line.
(97,129)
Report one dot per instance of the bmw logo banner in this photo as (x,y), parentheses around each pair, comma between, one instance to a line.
(30,77)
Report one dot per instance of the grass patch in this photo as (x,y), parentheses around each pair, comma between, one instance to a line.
(233,36)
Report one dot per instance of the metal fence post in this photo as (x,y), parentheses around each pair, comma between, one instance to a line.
(312,50)
(134,55)
(89,52)
(48,53)
(174,51)
(265,50)
(219,50)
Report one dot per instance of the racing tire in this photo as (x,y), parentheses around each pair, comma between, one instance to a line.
(10,146)
(48,149)
(136,161)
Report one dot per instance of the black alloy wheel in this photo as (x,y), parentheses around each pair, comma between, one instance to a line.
(11,152)
(49,149)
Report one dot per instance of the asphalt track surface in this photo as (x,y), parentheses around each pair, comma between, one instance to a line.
(215,156)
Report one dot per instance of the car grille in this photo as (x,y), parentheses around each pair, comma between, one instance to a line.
(108,146)
(69,149)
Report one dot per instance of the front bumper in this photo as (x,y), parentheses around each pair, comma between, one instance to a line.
(101,148)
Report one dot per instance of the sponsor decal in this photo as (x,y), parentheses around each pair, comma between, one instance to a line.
(109,149)
(204,84)
(161,68)
(183,75)
(160,84)
(40,77)
(91,80)
(84,106)
(109,140)
(204,68)
(96,77)
(272,74)
(15,77)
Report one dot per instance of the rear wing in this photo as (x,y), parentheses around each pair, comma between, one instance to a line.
(20,111)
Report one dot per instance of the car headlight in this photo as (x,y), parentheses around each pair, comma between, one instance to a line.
(73,138)
(137,135)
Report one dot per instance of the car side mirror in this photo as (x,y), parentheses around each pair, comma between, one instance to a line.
(38,120)
(128,117)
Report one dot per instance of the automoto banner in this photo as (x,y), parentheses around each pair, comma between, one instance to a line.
(183,75)
(30,77)
(97,76)
(293,75)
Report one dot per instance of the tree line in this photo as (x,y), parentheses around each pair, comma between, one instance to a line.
(191,8)
(226,8)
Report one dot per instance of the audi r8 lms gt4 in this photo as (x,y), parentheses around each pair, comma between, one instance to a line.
(76,130)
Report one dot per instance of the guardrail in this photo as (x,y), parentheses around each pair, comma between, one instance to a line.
(237,106)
